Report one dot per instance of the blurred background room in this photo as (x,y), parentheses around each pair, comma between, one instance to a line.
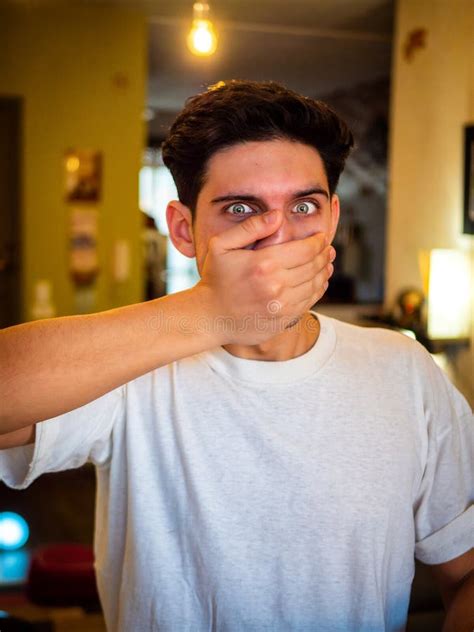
(88,90)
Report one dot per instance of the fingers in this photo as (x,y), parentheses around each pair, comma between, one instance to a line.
(308,271)
(310,290)
(246,232)
(308,296)
(304,284)
(303,306)
(292,254)
(309,282)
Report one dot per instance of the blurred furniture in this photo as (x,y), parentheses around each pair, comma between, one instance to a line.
(8,623)
(63,575)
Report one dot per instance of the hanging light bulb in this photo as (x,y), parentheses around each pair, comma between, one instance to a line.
(202,38)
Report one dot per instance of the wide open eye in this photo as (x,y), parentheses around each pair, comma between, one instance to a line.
(239,208)
(308,207)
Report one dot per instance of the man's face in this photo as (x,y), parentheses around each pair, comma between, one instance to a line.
(252,178)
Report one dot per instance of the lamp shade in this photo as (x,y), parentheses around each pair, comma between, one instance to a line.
(446,277)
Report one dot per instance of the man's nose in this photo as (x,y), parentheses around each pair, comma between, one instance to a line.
(285,232)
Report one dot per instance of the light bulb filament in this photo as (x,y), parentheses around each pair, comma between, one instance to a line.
(202,38)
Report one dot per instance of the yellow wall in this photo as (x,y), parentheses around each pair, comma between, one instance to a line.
(63,61)
(432,98)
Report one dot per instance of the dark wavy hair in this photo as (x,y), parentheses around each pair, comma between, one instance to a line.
(233,112)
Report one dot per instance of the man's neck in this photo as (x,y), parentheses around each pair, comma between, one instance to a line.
(291,343)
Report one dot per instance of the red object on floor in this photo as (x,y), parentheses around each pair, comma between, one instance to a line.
(62,575)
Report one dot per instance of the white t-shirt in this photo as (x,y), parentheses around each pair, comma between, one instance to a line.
(242,495)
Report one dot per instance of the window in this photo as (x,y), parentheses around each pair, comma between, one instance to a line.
(156,190)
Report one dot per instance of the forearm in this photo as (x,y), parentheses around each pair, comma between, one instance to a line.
(50,367)
(460,614)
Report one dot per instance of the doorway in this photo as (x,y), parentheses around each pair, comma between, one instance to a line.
(10,220)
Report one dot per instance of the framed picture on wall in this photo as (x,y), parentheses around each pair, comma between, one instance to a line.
(83,175)
(469,179)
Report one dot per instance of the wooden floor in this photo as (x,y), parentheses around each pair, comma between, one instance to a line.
(57,619)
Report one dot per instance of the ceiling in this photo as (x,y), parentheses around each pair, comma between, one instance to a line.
(313,46)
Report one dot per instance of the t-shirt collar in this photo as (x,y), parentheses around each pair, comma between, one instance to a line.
(279,371)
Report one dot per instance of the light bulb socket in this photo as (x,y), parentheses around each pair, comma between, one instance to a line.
(201,10)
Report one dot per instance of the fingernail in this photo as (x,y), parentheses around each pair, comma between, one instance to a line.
(269,217)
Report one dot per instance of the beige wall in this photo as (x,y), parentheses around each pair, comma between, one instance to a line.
(64,63)
(432,98)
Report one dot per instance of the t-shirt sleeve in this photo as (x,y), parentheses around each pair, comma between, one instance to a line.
(444,509)
(66,441)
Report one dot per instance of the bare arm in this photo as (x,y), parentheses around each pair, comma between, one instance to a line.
(455,580)
(53,366)
(460,612)
(50,367)
(17,438)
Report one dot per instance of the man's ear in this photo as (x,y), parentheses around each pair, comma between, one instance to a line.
(335,212)
(179,219)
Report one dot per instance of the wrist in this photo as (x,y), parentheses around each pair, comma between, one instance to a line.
(207,314)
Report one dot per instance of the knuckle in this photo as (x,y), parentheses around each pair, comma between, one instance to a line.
(263,267)
(249,225)
(274,288)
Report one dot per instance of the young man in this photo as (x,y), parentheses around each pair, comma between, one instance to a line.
(259,466)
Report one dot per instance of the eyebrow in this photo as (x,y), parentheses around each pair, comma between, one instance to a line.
(245,197)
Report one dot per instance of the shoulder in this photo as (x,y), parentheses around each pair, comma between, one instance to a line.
(385,354)
(374,342)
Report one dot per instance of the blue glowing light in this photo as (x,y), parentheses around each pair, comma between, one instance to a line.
(14,531)
(13,567)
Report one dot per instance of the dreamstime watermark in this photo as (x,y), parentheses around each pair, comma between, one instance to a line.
(227,325)
(273,307)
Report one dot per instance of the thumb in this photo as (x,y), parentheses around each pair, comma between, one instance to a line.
(250,230)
